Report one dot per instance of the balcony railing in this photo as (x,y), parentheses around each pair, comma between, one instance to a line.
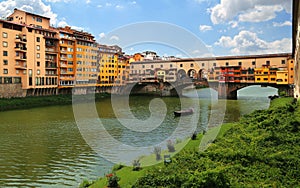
(22,66)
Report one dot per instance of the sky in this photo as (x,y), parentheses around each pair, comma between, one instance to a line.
(182,28)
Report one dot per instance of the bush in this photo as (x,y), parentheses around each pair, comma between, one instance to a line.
(112,180)
(170,146)
(157,152)
(136,165)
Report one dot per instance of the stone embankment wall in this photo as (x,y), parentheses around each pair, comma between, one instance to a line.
(11,90)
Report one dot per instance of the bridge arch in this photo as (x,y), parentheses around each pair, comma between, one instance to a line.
(181,74)
(192,73)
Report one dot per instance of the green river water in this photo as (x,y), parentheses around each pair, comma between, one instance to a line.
(43,147)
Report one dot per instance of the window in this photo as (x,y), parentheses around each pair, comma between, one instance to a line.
(161,66)
(253,63)
(30,72)
(39,19)
(192,65)
(202,64)
(38,63)
(268,62)
(17,80)
(5,62)
(38,72)
(292,68)
(38,55)
(282,62)
(38,39)
(4,35)
(7,80)
(215,64)
(181,65)
(5,53)
(227,63)
(240,63)
(5,71)
(171,65)
(38,47)
(4,44)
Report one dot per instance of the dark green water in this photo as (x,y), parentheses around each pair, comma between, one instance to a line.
(42,147)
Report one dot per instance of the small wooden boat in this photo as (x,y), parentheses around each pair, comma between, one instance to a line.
(184,112)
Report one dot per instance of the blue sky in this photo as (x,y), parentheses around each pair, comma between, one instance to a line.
(225,27)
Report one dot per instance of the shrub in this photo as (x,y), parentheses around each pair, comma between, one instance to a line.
(194,136)
(136,165)
(157,151)
(117,167)
(112,180)
(85,183)
(170,146)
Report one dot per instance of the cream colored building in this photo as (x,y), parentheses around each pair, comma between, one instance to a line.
(296,46)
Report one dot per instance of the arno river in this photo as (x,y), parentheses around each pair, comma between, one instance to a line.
(42,147)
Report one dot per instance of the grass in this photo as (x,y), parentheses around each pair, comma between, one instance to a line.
(129,177)
(40,101)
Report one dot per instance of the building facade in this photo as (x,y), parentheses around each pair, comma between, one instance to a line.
(296,46)
(37,59)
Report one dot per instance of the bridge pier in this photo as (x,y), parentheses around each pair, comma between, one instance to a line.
(228,90)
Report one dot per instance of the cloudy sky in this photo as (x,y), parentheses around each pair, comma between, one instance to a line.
(225,27)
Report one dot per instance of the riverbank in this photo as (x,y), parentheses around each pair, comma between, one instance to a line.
(128,176)
(261,149)
(41,101)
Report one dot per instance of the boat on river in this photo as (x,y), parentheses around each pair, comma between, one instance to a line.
(184,112)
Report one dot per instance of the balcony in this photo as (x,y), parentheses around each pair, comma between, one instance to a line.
(21,58)
(51,66)
(21,65)
(21,40)
(63,58)
(20,49)
(63,65)
(67,77)
(51,50)
(63,51)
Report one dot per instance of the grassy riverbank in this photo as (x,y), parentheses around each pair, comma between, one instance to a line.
(261,150)
(40,101)
(128,177)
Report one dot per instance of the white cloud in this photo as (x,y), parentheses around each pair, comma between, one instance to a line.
(247,42)
(88,1)
(108,4)
(102,35)
(248,10)
(260,13)
(205,28)
(56,1)
(99,6)
(286,23)
(133,3)
(119,7)
(114,37)
(63,23)
(234,24)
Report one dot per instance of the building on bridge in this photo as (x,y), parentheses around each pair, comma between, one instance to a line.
(242,67)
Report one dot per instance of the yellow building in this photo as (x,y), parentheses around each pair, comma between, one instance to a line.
(109,65)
